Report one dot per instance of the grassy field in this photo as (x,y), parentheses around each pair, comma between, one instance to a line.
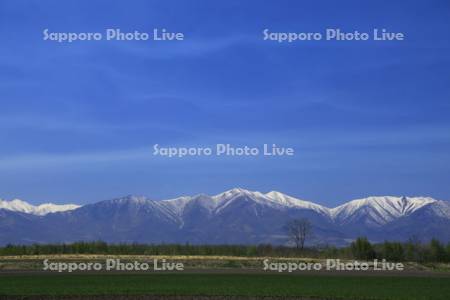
(35,262)
(329,287)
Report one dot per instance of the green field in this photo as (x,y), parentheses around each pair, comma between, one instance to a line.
(329,287)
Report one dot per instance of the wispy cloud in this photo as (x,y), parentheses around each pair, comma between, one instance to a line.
(190,47)
(51,160)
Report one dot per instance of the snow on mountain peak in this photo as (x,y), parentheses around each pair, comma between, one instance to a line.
(47,208)
(234,192)
(290,201)
(40,210)
(177,205)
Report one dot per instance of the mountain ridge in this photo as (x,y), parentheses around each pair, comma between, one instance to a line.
(398,205)
(40,210)
(234,216)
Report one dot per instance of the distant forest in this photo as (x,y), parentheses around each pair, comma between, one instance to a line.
(361,249)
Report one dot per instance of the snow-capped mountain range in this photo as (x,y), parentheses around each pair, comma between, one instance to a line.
(40,210)
(234,216)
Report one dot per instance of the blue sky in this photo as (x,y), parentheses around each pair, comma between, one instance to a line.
(78,121)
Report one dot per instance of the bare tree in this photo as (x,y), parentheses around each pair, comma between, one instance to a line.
(298,231)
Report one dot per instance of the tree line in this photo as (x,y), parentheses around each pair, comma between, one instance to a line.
(360,249)
(412,250)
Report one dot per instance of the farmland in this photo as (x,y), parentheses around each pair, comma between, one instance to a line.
(268,285)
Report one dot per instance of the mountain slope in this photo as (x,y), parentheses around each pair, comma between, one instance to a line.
(432,220)
(17,227)
(377,211)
